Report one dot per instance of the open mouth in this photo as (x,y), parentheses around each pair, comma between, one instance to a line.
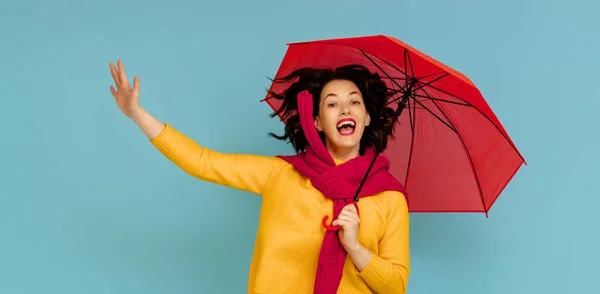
(346,126)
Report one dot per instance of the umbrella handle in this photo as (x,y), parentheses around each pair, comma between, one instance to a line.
(335,228)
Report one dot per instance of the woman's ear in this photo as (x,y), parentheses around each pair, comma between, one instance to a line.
(318,125)
(368,120)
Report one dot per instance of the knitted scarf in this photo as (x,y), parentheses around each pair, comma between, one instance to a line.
(339,183)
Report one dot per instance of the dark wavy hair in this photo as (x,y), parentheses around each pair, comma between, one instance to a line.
(373,89)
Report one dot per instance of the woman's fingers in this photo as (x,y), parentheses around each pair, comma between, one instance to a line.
(349,213)
(136,86)
(113,91)
(344,220)
(351,207)
(351,218)
(349,210)
(115,74)
(348,216)
(122,75)
(121,83)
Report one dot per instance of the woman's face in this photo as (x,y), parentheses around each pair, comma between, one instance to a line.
(342,117)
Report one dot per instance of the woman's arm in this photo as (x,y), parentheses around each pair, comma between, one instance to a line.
(388,271)
(245,172)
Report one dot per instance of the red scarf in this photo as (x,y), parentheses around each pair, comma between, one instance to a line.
(340,184)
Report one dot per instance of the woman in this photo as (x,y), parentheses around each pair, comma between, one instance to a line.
(366,247)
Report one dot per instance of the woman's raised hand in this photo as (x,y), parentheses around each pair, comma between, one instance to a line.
(127,97)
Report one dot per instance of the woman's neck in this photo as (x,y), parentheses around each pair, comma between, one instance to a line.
(343,154)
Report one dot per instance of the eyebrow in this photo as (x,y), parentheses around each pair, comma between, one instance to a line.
(335,95)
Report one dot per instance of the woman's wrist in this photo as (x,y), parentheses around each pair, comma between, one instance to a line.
(151,126)
(360,255)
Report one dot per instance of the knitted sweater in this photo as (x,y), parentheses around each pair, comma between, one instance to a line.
(290,234)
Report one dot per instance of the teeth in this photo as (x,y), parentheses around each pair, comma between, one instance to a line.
(346,124)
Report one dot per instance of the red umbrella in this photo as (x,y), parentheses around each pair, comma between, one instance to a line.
(450,151)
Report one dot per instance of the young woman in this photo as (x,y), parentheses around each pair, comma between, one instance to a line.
(365,249)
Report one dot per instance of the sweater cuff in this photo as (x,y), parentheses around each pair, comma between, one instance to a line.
(164,137)
(375,270)
(169,142)
(383,276)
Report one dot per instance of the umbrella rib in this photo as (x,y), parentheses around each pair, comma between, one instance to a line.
(468,154)
(443,100)
(450,94)
(428,84)
(412,114)
(414,81)
(421,86)
(431,98)
(484,115)
(407,57)
(383,71)
(450,126)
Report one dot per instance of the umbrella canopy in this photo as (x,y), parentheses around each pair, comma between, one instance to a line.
(450,150)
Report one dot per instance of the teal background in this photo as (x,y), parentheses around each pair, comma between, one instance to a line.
(87,205)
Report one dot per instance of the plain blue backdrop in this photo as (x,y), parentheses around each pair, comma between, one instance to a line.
(87,205)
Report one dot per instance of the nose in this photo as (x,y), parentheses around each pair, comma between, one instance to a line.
(345,110)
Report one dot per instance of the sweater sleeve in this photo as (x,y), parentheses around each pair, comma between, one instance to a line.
(249,173)
(388,271)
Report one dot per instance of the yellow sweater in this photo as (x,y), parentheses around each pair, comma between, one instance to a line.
(290,234)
